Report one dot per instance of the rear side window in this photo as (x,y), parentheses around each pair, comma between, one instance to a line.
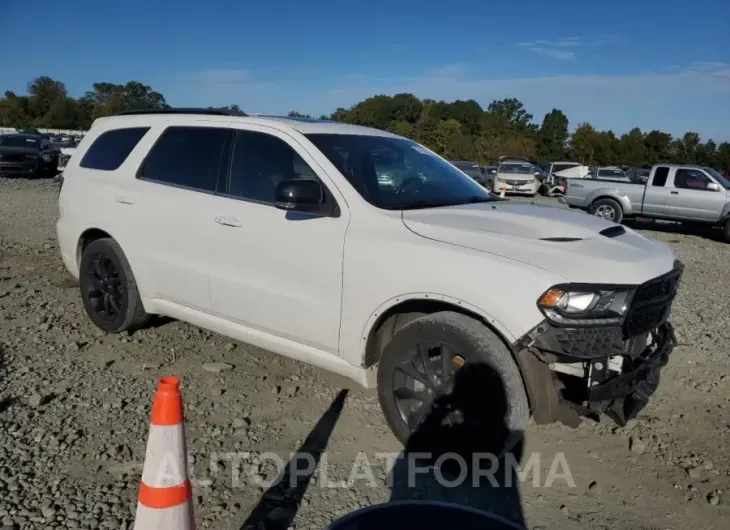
(111,149)
(193,157)
(660,176)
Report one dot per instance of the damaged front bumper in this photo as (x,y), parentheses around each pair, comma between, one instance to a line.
(619,385)
(572,372)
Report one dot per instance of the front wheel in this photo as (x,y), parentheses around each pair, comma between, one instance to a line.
(447,383)
(726,230)
(608,209)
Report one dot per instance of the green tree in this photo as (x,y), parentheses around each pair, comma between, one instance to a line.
(553,136)
(632,148)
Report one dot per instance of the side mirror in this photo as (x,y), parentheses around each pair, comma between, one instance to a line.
(713,186)
(300,195)
(493,172)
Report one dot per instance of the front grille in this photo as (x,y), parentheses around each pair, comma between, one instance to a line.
(12,158)
(517,182)
(652,303)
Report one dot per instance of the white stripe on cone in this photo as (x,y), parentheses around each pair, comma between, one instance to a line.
(165,463)
(502,191)
(178,517)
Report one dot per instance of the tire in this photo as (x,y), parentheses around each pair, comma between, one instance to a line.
(726,230)
(489,362)
(127,313)
(606,206)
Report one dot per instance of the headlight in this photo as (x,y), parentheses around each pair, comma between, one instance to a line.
(574,305)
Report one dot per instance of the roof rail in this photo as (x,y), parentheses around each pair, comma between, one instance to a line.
(210,112)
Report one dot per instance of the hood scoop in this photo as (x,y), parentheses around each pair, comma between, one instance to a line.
(613,231)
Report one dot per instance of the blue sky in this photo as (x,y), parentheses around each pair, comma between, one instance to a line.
(647,63)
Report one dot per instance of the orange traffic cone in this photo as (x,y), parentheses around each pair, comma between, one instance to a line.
(502,192)
(165,496)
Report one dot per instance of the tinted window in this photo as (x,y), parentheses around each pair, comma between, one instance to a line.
(19,141)
(691,179)
(660,176)
(611,173)
(188,156)
(260,162)
(112,148)
(397,173)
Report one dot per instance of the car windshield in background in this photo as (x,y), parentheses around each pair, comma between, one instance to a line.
(396,173)
(19,141)
(522,169)
(725,183)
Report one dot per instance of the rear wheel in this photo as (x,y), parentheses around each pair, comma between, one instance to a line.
(447,383)
(608,209)
(108,288)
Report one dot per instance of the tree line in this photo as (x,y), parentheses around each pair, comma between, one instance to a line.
(458,130)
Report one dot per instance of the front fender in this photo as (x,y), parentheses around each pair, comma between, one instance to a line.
(433,297)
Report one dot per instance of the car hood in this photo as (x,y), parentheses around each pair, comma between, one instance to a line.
(18,150)
(561,241)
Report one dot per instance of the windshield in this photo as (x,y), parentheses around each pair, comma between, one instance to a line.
(725,183)
(18,141)
(396,173)
(522,169)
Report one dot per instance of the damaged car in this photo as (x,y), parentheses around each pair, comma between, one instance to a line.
(295,236)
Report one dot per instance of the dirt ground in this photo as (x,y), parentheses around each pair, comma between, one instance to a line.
(75,402)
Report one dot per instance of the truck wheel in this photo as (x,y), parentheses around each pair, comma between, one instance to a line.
(726,230)
(608,209)
(108,288)
(447,382)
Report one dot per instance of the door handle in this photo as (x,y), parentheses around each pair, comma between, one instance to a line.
(228,221)
(124,200)
(674,192)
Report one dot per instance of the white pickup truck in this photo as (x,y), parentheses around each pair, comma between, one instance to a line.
(681,193)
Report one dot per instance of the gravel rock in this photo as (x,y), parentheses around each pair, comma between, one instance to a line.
(217,367)
(74,424)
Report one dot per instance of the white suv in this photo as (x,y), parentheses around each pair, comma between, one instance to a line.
(279,232)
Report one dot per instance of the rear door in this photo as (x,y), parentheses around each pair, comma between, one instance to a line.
(174,208)
(691,198)
(656,193)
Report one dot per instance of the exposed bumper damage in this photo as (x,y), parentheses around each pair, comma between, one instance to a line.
(614,370)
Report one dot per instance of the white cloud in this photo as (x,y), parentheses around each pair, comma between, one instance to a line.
(562,55)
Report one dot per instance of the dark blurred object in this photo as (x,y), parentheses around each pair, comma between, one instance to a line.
(423,515)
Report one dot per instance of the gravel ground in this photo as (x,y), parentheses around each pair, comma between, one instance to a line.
(75,403)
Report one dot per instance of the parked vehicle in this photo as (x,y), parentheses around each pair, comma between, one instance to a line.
(608,173)
(26,155)
(516,178)
(472,169)
(276,231)
(555,172)
(638,175)
(673,192)
(489,173)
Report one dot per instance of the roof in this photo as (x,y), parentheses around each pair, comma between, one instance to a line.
(302,125)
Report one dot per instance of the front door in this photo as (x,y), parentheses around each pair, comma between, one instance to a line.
(276,271)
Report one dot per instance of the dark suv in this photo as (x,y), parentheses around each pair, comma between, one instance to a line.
(27,155)
(472,169)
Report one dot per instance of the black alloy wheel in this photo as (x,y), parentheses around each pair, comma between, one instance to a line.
(104,290)
(427,376)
